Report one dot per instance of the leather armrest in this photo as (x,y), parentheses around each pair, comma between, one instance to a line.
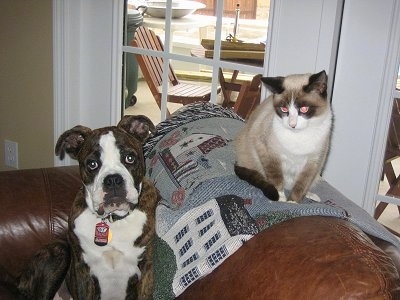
(303,258)
(34,209)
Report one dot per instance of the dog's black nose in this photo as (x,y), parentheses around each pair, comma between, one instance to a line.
(113,180)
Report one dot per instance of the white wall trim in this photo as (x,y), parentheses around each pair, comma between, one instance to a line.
(61,71)
(361,98)
(384,108)
(72,72)
(116,62)
(272,38)
(300,45)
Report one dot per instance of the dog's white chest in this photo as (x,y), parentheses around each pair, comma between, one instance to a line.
(114,263)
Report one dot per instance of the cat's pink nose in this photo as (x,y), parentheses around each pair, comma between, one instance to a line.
(292,121)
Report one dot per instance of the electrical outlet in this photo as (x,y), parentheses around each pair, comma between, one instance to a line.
(11,154)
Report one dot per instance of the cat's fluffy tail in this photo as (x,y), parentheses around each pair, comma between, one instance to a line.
(256,179)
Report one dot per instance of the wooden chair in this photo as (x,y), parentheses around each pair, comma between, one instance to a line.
(248,94)
(392,152)
(152,69)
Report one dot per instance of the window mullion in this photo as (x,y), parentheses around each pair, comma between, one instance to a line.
(166,60)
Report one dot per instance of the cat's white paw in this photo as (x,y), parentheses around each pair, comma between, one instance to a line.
(294,202)
(313,196)
(282,196)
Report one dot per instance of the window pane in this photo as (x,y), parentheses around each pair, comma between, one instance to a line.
(191,45)
(390,181)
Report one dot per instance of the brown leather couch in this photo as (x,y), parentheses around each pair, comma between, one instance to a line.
(303,258)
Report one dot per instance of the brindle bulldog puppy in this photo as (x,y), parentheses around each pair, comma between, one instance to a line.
(108,254)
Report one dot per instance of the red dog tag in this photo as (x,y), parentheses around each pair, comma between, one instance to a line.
(101,234)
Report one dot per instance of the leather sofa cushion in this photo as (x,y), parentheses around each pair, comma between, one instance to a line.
(323,257)
(35,208)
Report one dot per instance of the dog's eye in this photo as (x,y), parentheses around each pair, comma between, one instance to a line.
(129,159)
(92,165)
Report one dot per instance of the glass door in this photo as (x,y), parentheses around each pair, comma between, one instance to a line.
(388,205)
(191,47)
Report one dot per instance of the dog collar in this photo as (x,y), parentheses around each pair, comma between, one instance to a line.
(114,217)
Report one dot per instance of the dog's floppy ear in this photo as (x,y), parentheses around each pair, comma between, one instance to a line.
(139,126)
(71,141)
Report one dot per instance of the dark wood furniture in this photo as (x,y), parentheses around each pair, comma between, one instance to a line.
(249,93)
(248,97)
(392,152)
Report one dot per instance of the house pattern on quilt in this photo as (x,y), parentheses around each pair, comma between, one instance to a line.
(187,157)
(205,236)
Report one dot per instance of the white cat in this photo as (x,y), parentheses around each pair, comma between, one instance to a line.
(286,139)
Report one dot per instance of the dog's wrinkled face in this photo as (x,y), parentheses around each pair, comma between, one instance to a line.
(111,162)
(112,169)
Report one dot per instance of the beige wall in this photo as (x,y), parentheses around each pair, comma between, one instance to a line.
(26,81)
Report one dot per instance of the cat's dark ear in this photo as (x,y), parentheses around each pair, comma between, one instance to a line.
(274,84)
(317,82)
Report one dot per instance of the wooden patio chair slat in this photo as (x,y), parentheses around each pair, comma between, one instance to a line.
(392,152)
(186,90)
(152,69)
(248,94)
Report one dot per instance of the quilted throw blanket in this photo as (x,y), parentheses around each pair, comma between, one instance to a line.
(207,212)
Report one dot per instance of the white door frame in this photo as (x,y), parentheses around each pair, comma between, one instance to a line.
(362,98)
(68,20)
(386,98)
(66,87)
